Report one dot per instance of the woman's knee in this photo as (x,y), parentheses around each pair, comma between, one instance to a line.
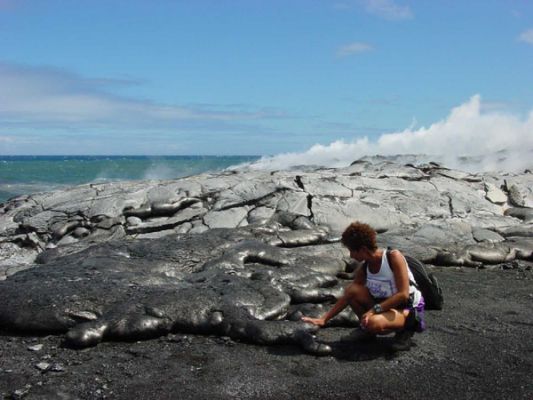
(356,292)
(391,320)
(376,324)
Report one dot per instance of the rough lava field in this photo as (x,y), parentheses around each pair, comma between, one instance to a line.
(194,288)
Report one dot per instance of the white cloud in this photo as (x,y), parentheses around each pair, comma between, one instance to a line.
(526,36)
(387,9)
(467,131)
(6,139)
(40,97)
(353,48)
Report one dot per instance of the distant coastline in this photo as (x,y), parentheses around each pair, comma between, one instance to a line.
(25,174)
(85,157)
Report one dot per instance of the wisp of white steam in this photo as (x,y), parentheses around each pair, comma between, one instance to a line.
(467,138)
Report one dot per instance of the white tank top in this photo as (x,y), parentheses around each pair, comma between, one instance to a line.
(383,284)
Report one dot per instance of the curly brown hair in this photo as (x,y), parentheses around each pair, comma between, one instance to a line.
(358,235)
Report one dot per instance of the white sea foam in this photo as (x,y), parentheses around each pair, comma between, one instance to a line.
(468,138)
(159,171)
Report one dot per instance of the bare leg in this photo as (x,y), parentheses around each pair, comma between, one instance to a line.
(389,321)
(358,298)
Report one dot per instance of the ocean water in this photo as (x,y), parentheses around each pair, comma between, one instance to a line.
(31,174)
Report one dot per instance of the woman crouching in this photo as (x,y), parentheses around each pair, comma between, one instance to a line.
(382,294)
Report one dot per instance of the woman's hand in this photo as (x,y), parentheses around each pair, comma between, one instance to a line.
(366,317)
(315,321)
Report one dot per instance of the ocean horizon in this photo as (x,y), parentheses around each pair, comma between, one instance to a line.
(26,174)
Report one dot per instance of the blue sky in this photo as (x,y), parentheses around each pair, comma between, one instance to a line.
(255,77)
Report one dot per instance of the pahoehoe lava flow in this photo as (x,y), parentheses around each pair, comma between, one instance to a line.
(239,254)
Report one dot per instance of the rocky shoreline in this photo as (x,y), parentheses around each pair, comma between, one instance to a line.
(176,278)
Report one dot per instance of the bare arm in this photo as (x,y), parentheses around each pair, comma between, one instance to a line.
(360,275)
(360,278)
(337,308)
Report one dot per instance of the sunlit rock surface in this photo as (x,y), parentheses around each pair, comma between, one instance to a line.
(241,253)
